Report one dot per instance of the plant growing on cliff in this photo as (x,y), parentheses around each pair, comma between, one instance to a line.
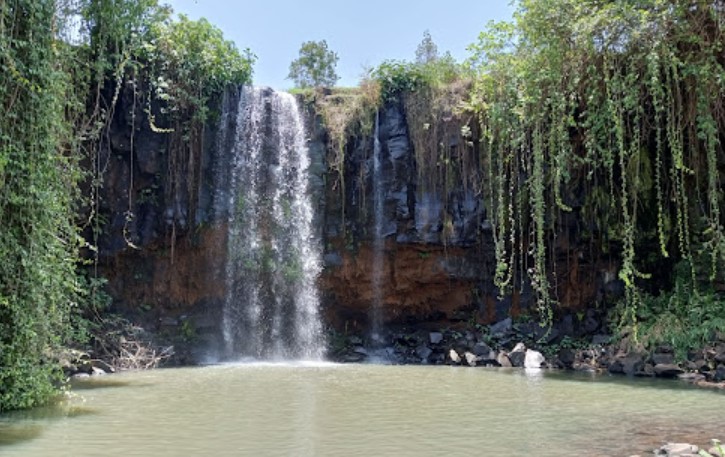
(38,177)
(577,97)
(188,64)
(65,65)
(315,66)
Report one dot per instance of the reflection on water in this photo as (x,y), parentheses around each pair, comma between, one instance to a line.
(13,434)
(275,409)
(19,426)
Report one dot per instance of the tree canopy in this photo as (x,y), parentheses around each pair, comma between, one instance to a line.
(315,66)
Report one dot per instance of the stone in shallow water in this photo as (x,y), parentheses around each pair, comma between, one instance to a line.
(678,450)
(471,358)
(484,351)
(629,365)
(517,358)
(533,359)
(518,355)
(503,360)
(667,370)
(719,375)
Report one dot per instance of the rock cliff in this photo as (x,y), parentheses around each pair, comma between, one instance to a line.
(163,244)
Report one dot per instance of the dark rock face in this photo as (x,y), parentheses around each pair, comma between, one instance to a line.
(164,252)
(438,256)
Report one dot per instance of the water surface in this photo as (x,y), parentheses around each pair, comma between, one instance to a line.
(363,410)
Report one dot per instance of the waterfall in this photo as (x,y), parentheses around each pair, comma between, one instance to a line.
(376,318)
(273,256)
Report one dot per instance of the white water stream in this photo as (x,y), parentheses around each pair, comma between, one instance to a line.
(273,257)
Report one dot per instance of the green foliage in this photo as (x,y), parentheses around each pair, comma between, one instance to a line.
(684,318)
(607,98)
(38,175)
(65,65)
(397,77)
(315,66)
(190,62)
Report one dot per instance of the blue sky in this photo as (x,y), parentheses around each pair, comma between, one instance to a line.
(362,32)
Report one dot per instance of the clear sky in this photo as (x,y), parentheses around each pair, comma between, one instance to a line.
(362,32)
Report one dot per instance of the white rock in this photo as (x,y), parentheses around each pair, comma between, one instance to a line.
(679,449)
(471,358)
(533,359)
(520,347)
(454,356)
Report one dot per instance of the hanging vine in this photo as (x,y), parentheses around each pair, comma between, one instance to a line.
(628,99)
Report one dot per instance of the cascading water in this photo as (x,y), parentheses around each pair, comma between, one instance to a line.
(378,239)
(273,257)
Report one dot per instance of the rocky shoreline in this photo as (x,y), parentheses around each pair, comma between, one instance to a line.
(506,344)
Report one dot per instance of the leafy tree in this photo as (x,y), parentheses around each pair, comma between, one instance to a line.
(58,89)
(427,50)
(315,67)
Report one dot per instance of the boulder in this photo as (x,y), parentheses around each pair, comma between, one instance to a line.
(517,358)
(423,352)
(483,351)
(719,374)
(435,337)
(567,356)
(667,370)
(661,358)
(453,355)
(648,370)
(720,356)
(678,450)
(630,364)
(533,359)
(471,358)
(503,360)
(520,347)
